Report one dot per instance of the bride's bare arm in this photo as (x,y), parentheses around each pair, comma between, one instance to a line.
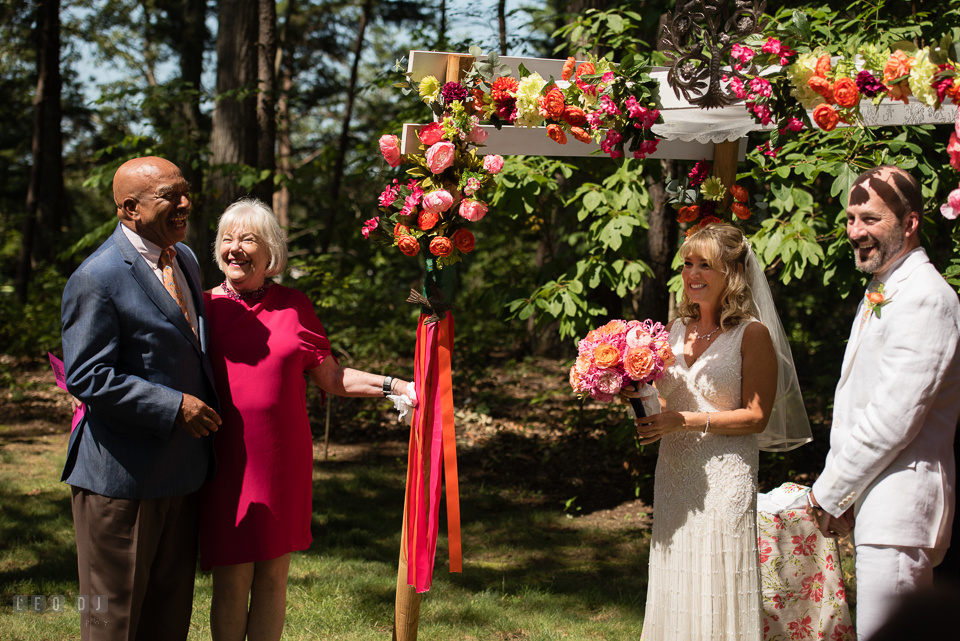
(759,388)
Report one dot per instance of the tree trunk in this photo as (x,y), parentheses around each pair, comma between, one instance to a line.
(661,247)
(333,209)
(233,140)
(442,30)
(284,71)
(266,98)
(502,21)
(41,227)
(190,47)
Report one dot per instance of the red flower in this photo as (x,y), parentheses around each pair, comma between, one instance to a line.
(843,633)
(504,88)
(805,547)
(568,67)
(463,240)
(580,135)
(574,116)
(441,246)
(823,65)
(823,87)
(812,588)
(739,193)
(765,550)
(829,562)
(427,219)
(408,245)
(688,214)
(556,134)
(709,220)
(742,211)
(826,117)
(552,105)
(401,230)
(800,628)
(586,68)
(846,93)
(778,603)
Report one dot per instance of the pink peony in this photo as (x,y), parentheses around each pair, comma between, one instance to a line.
(431,134)
(638,337)
(473,210)
(951,209)
(478,135)
(609,382)
(953,148)
(437,201)
(493,164)
(390,148)
(440,156)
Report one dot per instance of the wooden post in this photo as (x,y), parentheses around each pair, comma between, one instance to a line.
(457,66)
(725,156)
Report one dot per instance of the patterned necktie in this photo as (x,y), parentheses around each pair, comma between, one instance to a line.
(170,282)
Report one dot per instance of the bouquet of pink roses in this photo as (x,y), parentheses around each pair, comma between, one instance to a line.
(618,354)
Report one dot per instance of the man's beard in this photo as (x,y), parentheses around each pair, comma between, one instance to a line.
(886,248)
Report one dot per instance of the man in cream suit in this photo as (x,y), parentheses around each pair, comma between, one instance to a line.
(890,469)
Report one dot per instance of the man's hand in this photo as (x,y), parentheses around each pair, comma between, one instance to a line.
(830,526)
(197,417)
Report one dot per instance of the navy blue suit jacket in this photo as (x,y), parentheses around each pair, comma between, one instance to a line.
(130,355)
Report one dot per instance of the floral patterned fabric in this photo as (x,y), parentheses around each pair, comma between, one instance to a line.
(801,581)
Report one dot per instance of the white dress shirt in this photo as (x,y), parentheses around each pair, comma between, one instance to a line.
(151,253)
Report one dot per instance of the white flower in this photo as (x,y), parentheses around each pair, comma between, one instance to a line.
(528,107)
(799,73)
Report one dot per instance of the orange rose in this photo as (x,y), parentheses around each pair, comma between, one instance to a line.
(606,356)
(709,220)
(692,230)
(875,297)
(846,93)
(586,68)
(480,98)
(823,65)
(581,135)
(665,352)
(739,193)
(408,245)
(584,363)
(688,214)
(898,65)
(441,246)
(823,87)
(401,230)
(639,362)
(552,104)
(576,381)
(574,116)
(556,134)
(463,240)
(568,68)
(427,220)
(742,211)
(826,117)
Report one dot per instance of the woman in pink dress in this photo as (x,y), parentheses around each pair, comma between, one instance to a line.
(263,338)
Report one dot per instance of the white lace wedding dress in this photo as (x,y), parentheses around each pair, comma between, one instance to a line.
(704,581)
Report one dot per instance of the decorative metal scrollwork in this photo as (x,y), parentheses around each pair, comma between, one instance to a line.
(699,37)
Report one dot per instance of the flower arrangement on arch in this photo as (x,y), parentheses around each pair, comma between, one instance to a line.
(699,199)
(613,104)
(791,81)
(620,353)
(445,192)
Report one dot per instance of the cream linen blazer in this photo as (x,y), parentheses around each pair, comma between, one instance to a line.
(895,414)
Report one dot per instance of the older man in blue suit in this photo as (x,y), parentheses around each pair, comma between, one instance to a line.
(134,342)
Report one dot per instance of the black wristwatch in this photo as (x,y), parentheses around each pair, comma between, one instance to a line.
(387,384)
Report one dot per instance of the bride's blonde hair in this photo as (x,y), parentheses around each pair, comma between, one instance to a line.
(725,250)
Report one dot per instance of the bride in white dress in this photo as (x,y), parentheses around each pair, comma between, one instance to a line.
(704,580)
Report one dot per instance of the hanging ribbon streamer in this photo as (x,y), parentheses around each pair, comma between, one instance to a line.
(432,443)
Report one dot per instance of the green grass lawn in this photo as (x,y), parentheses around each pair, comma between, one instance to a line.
(529,572)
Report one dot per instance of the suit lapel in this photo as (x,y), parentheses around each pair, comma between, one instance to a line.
(153,288)
(890,287)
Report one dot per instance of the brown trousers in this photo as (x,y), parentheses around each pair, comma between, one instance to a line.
(142,556)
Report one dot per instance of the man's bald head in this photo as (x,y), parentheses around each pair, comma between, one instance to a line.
(152,199)
(137,176)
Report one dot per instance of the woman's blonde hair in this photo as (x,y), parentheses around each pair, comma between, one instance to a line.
(725,250)
(259,220)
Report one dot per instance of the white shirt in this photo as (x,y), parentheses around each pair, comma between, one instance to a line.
(151,254)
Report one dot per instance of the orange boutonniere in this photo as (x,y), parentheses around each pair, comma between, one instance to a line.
(875,300)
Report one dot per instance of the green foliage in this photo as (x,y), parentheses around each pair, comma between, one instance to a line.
(32,328)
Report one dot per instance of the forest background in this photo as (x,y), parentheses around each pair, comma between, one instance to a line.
(287,100)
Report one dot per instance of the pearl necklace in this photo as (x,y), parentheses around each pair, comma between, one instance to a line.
(707,337)
(257,293)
